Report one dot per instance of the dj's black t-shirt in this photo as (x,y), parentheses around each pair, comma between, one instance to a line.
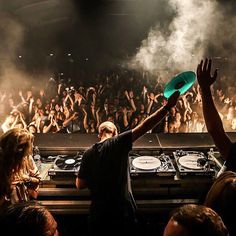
(105,168)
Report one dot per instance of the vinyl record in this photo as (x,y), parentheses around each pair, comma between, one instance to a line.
(146,162)
(181,82)
(67,162)
(190,162)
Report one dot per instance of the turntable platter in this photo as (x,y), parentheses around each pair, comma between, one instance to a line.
(146,162)
(67,163)
(190,162)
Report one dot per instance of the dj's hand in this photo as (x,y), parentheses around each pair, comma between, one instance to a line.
(204,77)
(172,100)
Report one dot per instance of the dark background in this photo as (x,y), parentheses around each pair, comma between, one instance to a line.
(97,33)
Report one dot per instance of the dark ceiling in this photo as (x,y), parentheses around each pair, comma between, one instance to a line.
(94,31)
(101,30)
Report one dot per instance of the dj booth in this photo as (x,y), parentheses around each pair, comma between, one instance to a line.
(166,170)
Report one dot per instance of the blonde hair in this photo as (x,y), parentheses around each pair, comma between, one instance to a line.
(15,144)
(107,127)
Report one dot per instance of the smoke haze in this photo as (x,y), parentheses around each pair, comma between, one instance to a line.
(183,43)
(11,39)
(182,32)
(12,72)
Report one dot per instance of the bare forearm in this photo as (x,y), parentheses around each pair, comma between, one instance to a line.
(214,125)
(211,115)
(85,122)
(132,104)
(67,121)
(149,107)
(149,123)
(47,128)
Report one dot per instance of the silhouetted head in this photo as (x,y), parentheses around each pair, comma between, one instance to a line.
(195,220)
(29,219)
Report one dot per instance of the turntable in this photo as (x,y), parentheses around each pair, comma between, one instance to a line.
(65,165)
(194,163)
(146,165)
(221,163)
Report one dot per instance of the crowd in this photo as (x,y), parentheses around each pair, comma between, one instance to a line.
(113,207)
(122,96)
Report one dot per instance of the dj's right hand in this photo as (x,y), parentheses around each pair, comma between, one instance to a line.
(172,100)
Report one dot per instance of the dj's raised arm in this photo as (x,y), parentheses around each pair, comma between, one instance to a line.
(212,119)
(150,122)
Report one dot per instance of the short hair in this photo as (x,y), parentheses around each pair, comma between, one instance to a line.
(199,220)
(107,127)
(28,219)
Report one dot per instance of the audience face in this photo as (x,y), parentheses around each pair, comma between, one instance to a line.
(233,124)
(39,102)
(111,119)
(194,115)
(41,92)
(178,116)
(172,111)
(231,113)
(32,129)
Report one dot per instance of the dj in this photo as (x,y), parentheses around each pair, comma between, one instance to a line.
(104,170)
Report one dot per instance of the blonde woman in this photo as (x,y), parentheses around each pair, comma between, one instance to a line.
(19,174)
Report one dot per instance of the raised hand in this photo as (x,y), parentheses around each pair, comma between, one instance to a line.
(172,100)
(204,77)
